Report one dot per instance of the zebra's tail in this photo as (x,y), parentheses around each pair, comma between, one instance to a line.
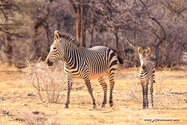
(120,60)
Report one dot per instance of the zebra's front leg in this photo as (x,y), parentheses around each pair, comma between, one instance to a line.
(88,84)
(103,84)
(144,93)
(69,86)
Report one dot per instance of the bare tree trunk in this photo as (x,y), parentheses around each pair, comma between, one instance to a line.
(84,10)
(116,36)
(83,35)
(81,23)
(78,25)
(48,38)
(92,30)
(9,50)
(160,40)
(81,11)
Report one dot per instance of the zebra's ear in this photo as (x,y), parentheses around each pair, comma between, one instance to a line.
(148,51)
(56,35)
(139,50)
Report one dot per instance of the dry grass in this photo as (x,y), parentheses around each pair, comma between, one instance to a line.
(17,107)
(35,118)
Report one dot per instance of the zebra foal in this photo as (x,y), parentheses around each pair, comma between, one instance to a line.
(146,75)
(83,63)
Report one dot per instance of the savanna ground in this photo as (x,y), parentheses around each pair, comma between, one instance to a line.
(20,103)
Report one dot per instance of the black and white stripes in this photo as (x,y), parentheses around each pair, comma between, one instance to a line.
(146,75)
(84,63)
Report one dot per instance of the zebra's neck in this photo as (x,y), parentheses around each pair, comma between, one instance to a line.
(70,57)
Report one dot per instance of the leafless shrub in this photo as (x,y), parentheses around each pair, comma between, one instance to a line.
(159,85)
(164,97)
(134,91)
(48,84)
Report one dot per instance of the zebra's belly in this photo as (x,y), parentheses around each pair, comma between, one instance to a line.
(91,75)
(145,80)
(95,76)
(74,75)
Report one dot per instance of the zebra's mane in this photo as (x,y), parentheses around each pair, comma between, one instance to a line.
(69,38)
(143,52)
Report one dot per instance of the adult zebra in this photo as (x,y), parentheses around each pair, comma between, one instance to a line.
(146,75)
(84,63)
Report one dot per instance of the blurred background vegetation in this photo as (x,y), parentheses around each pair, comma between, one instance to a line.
(27,27)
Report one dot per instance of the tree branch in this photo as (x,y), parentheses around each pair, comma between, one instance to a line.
(155,20)
(74,6)
(4,14)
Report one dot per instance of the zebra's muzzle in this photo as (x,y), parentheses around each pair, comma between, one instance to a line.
(143,67)
(49,63)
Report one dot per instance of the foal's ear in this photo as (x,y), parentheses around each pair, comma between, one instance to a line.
(56,35)
(148,51)
(139,50)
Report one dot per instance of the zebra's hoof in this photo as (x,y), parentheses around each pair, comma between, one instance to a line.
(66,106)
(145,107)
(103,105)
(111,104)
(94,106)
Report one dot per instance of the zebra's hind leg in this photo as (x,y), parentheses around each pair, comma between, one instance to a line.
(88,84)
(147,95)
(69,86)
(143,93)
(103,84)
(111,79)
